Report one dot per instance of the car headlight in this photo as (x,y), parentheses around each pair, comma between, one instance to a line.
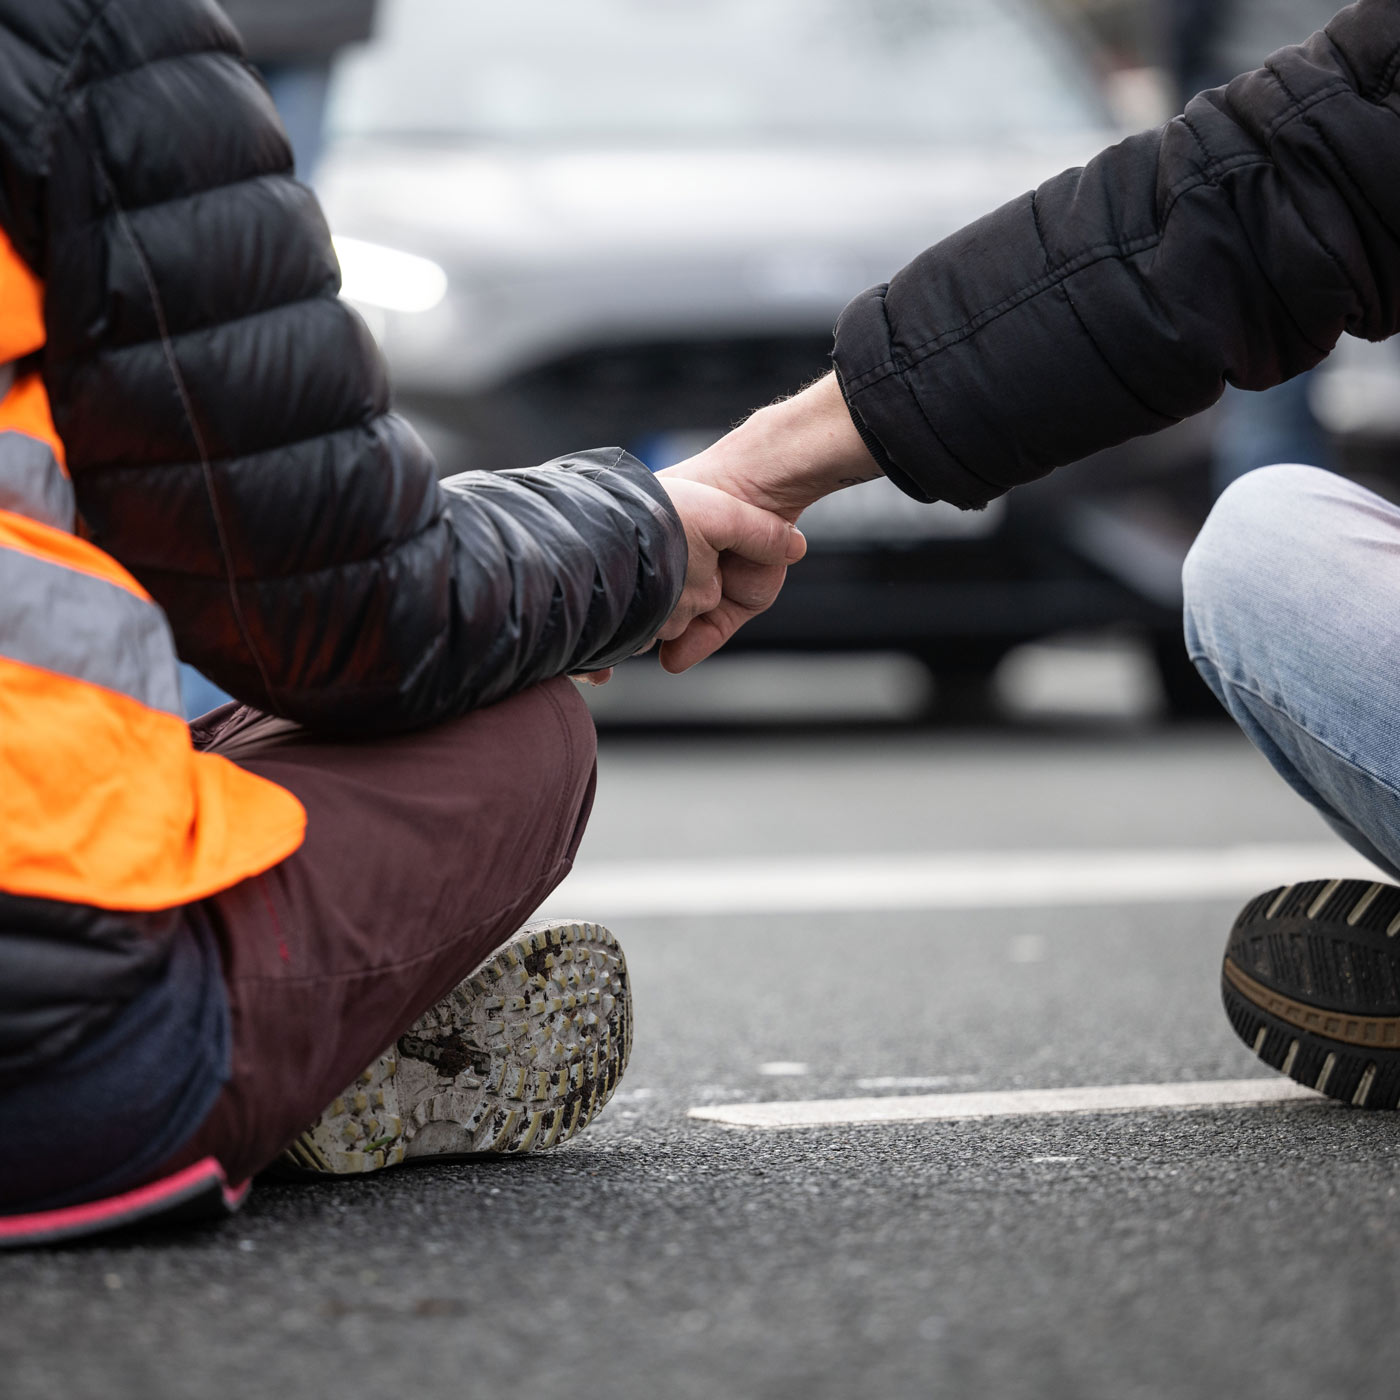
(374,275)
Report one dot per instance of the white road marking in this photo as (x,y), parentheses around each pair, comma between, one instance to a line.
(913,1081)
(781,1069)
(1009,1103)
(946,880)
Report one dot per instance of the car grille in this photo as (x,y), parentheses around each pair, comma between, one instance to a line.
(627,395)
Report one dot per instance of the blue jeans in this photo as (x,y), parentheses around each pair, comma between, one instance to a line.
(1293,616)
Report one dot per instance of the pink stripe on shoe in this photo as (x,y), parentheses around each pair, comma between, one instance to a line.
(196,1192)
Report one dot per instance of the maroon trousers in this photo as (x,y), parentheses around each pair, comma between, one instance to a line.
(423,853)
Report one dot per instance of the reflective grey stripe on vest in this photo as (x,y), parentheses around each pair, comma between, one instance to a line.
(62,620)
(32,483)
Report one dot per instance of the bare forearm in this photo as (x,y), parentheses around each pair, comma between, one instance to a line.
(790,454)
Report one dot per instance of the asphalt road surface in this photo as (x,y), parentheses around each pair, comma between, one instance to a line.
(1160,1253)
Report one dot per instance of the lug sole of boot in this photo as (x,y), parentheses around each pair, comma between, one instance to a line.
(1310,982)
(517,1058)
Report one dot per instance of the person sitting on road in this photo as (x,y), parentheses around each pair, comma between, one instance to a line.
(206,935)
(398,642)
(1234,245)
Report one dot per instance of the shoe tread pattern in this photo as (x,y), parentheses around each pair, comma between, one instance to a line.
(1317,957)
(519,1057)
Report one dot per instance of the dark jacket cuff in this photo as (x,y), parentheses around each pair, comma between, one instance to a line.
(876,448)
(889,417)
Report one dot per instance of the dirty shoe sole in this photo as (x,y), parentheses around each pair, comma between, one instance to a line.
(518,1057)
(1311,983)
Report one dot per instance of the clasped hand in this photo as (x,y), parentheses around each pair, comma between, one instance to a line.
(739,556)
(738,501)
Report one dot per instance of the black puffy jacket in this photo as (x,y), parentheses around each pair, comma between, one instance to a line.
(226,419)
(1235,244)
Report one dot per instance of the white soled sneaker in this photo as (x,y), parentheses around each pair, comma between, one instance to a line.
(518,1057)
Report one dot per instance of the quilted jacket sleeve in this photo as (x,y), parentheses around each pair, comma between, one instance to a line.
(226,415)
(1235,244)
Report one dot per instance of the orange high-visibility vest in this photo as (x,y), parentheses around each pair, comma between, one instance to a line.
(103,800)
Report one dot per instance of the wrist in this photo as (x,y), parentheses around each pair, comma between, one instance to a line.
(820,436)
(798,450)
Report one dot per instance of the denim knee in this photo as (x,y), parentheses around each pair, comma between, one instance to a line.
(1240,579)
(1292,598)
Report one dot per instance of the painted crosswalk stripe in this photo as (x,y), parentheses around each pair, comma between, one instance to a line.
(1009,1103)
(945,880)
